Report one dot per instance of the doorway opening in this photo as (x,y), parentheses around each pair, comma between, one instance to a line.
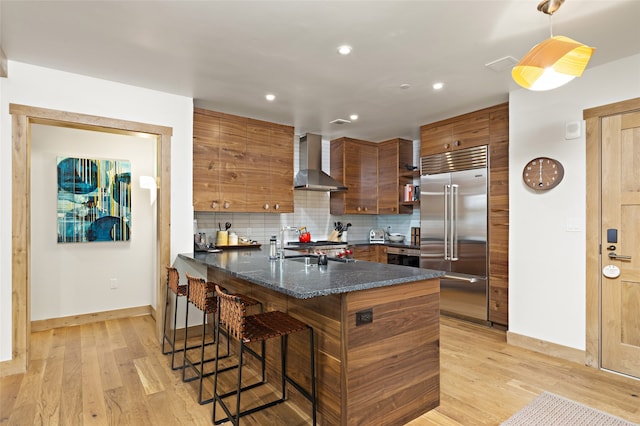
(22,118)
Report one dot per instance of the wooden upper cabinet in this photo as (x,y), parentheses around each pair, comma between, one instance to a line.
(355,163)
(461,132)
(374,173)
(393,156)
(281,160)
(241,164)
(206,162)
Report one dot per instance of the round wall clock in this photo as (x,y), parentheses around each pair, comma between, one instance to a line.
(542,173)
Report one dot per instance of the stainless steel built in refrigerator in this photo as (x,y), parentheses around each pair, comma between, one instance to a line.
(453,234)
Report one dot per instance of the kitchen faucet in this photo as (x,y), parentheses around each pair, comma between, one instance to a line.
(282,232)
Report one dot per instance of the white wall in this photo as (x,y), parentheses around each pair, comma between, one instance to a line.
(47,88)
(75,278)
(547,230)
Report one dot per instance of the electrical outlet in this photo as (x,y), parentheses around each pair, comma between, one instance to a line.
(364,317)
(113,283)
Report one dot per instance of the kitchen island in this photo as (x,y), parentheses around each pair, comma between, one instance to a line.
(376,326)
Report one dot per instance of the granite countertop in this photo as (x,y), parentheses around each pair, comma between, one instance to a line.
(293,278)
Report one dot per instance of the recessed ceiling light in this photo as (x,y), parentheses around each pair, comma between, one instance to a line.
(405,86)
(438,86)
(345,49)
(270,97)
(353,117)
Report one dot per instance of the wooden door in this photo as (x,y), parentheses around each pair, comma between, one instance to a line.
(621,211)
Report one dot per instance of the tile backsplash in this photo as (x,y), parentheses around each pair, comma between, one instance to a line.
(311,210)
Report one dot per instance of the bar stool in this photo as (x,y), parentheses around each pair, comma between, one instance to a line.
(201,294)
(232,315)
(173,286)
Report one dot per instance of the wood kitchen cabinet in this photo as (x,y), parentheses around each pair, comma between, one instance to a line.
(457,133)
(489,126)
(371,253)
(241,164)
(374,173)
(355,163)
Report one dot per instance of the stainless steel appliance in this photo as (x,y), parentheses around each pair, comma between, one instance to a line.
(376,236)
(310,177)
(403,256)
(453,232)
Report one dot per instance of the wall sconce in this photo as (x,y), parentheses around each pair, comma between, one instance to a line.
(149,182)
(553,62)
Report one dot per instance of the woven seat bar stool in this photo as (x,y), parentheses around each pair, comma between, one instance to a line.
(232,315)
(173,286)
(201,294)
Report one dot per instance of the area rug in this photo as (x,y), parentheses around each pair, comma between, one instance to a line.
(553,410)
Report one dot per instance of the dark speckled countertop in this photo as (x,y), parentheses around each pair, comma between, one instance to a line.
(293,278)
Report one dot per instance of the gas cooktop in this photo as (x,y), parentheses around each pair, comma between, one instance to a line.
(319,243)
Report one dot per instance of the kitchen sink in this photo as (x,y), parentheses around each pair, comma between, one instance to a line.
(313,258)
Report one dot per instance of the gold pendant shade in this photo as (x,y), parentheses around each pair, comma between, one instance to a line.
(552,63)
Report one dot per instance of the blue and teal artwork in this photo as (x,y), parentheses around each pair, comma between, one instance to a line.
(94,200)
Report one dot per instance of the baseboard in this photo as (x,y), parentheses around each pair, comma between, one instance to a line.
(48,324)
(547,348)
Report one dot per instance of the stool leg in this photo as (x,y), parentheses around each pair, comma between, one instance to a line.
(237,416)
(186,333)
(164,323)
(313,376)
(215,376)
(284,344)
(173,344)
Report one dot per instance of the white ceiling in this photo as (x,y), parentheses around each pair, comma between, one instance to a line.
(228,54)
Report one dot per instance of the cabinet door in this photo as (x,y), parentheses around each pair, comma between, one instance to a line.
(367,253)
(206,163)
(388,183)
(233,166)
(281,158)
(435,139)
(472,131)
(259,183)
(361,177)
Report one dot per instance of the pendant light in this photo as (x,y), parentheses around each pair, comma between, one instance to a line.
(553,62)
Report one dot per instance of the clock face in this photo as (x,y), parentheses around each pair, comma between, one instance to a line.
(542,173)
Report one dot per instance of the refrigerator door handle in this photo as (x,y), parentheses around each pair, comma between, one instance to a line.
(454,222)
(447,197)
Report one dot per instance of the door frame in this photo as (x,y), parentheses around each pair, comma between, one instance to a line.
(22,117)
(593,118)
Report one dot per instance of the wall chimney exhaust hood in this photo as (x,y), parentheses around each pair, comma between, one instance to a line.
(311,177)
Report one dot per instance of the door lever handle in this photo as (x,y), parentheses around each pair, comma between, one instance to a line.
(612,255)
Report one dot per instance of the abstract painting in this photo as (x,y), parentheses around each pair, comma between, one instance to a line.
(94,200)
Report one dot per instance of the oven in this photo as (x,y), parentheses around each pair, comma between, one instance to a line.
(403,256)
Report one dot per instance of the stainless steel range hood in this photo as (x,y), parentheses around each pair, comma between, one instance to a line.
(311,177)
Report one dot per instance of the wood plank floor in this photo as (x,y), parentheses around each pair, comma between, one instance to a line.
(113,373)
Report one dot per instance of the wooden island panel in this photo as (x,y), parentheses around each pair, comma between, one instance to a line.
(382,373)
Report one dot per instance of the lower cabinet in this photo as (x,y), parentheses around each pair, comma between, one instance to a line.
(371,253)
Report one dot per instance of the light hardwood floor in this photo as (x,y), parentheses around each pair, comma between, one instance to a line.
(112,373)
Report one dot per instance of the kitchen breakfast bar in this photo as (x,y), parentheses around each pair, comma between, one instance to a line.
(376,327)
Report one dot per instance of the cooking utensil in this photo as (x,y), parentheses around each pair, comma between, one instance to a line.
(227,226)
